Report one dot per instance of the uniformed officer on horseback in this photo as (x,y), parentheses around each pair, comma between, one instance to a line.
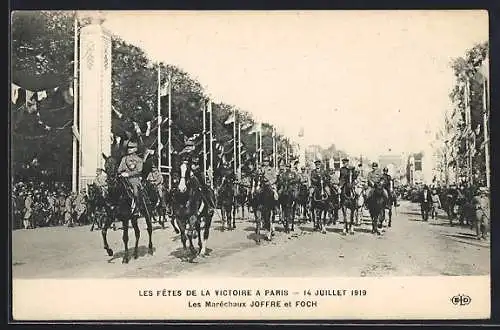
(131,168)
(270,176)
(198,177)
(156,179)
(388,184)
(317,174)
(287,178)
(345,172)
(373,178)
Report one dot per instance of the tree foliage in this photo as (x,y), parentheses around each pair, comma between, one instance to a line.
(42,58)
(466,69)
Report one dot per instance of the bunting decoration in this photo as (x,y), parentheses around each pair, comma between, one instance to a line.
(230,120)
(255,129)
(164,89)
(14,93)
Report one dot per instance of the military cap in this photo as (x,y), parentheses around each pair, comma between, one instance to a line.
(345,159)
(132,144)
(317,162)
(374,165)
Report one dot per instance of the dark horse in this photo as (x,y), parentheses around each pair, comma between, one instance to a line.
(348,200)
(320,205)
(241,198)
(263,203)
(156,202)
(288,194)
(191,212)
(98,208)
(391,202)
(376,206)
(303,201)
(226,201)
(120,197)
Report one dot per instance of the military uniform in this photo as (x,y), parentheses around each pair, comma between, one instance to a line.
(131,168)
(286,179)
(156,179)
(374,178)
(270,178)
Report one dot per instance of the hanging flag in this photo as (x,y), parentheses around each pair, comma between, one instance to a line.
(246,126)
(273,134)
(148,130)
(137,128)
(118,139)
(256,128)
(209,106)
(30,102)
(230,119)
(41,95)
(164,88)
(15,93)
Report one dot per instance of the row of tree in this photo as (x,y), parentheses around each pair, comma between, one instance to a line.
(42,58)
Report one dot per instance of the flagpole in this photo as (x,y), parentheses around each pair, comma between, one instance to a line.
(469,125)
(169,130)
(274,147)
(260,143)
(485,131)
(286,151)
(75,170)
(256,149)
(234,140)
(239,151)
(211,169)
(159,119)
(204,142)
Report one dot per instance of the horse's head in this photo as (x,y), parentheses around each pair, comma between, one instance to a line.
(111,165)
(182,182)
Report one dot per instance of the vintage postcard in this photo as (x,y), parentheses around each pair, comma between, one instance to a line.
(250,165)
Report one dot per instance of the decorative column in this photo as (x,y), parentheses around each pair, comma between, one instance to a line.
(95,99)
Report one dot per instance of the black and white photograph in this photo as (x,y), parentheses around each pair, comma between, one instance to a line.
(252,145)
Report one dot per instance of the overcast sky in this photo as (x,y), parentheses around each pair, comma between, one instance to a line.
(364,80)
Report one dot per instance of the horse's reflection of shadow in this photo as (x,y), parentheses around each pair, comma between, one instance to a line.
(184,255)
(141,252)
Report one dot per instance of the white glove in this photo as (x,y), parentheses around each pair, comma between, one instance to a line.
(124,174)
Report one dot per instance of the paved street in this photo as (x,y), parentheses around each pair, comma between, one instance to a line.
(410,247)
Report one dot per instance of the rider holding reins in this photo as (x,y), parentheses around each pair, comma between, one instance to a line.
(373,178)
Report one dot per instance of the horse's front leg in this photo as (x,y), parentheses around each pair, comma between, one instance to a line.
(351,222)
(137,236)
(104,232)
(233,210)
(125,241)
(149,225)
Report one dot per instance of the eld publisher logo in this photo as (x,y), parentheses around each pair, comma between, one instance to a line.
(461,300)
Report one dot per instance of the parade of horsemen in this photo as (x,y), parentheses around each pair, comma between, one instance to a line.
(117,157)
(288,196)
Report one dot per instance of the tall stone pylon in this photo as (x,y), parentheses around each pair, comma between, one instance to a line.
(95,99)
